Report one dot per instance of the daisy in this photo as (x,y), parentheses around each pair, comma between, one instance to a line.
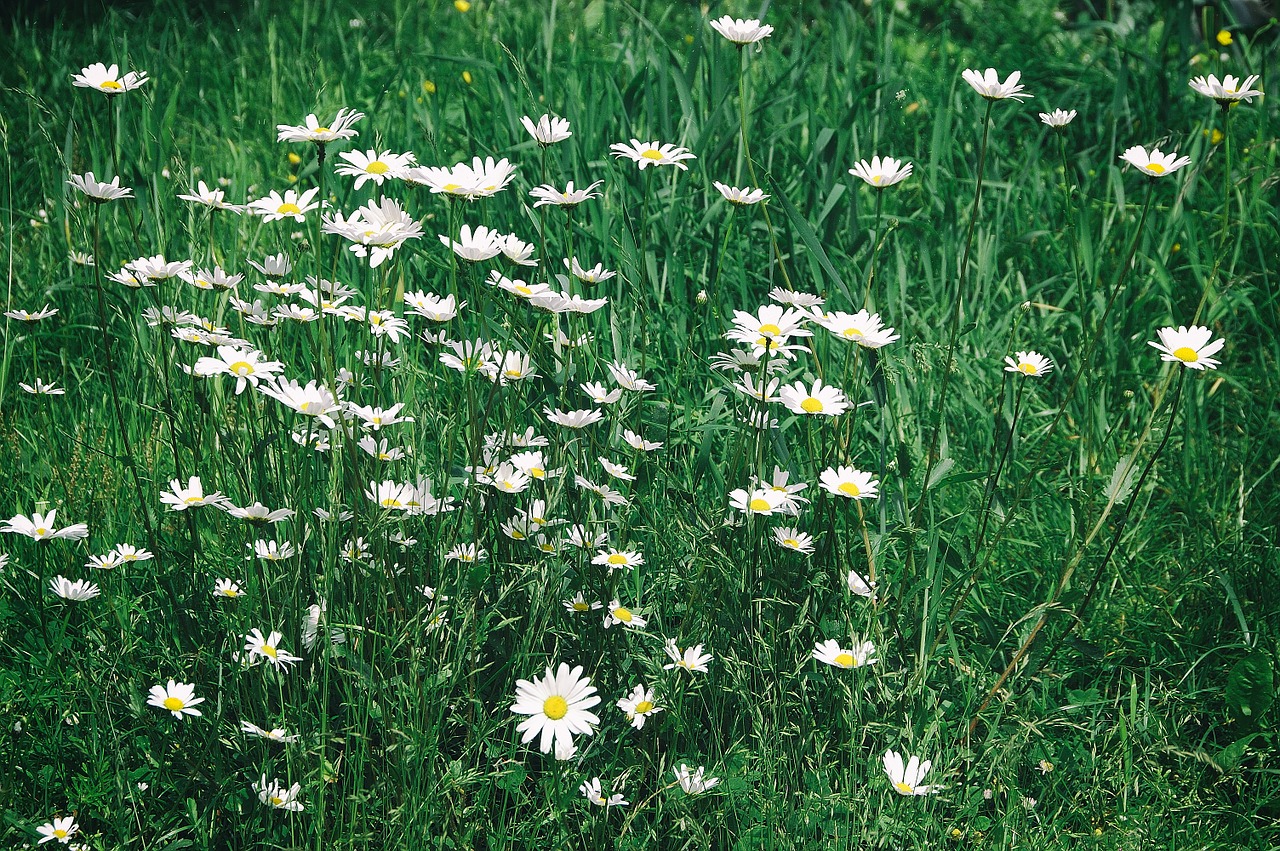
(518,251)
(312,131)
(831,653)
(292,205)
(373,165)
(247,365)
(793,298)
(617,471)
(989,86)
(268,648)
(579,536)
(588,276)
(110,561)
(227,588)
(375,230)
(881,172)
(557,705)
(468,554)
(740,197)
(690,659)
(573,419)
(482,244)
(639,705)
(431,306)
(179,498)
(274,266)
(215,279)
(549,195)
(97,191)
(592,792)
(850,483)
(108,80)
(758,501)
(273,551)
(906,779)
(77,591)
(580,604)
(1154,164)
(40,387)
(771,322)
(819,399)
(741,31)
(1227,92)
(178,698)
(376,418)
(1059,118)
(548,130)
(481,179)
(128,553)
(599,394)
(1188,346)
(314,400)
(25,316)
(40,527)
(790,538)
(620,614)
(695,782)
(391,495)
(275,734)
(645,154)
(629,379)
(157,268)
(258,514)
(619,559)
(638,443)
(211,198)
(863,328)
(61,829)
(274,795)
(1030,364)
(859,586)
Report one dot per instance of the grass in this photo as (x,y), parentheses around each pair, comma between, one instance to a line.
(1105,604)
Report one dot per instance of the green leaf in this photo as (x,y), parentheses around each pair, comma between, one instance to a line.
(809,238)
(1251,686)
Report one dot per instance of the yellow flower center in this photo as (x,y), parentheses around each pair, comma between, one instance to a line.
(268,650)
(173,704)
(42,531)
(853,333)
(791,542)
(643,706)
(517,535)
(377,167)
(555,707)
(581,606)
(849,489)
(110,84)
(241,367)
(276,800)
(303,407)
(230,592)
(617,558)
(623,614)
(514,373)
(904,788)
(451,187)
(322,130)
(1155,168)
(192,500)
(391,502)
(759,504)
(812,405)
(651,154)
(537,472)
(844,660)
(770,329)
(288,209)
(1186,354)
(1027,368)
(877,178)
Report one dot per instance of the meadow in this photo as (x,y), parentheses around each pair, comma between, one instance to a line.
(593,424)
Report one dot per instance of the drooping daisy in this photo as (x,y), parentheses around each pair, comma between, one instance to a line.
(61,829)
(275,795)
(695,782)
(740,197)
(557,705)
(431,306)
(594,275)
(741,31)
(906,779)
(859,586)
(639,705)
(1188,346)
(790,538)
(1154,164)
(881,172)
(40,387)
(849,483)
(26,316)
(1059,118)
(273,551)
(275,734)
(573,419)
(475,246)
(179,498)
(617,614)
(830,652)
(617,471)
(97,191)
(820,399)
(375,230)
(989,86)
(258,514)
(629,379)
(76,592)
(638,443)
(212,279)
(689,659)
(591,790)
(378,166)
(547,194)
(313,400)
(178,698)
(1230,90)
(41,527)
(864,328)
(547,130)
(268,648)
(211,198)
(1030,364)
(312,131)
(108,80)
(645,154)
(274,266)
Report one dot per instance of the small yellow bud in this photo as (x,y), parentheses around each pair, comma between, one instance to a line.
(466,77)
(688,39)
(1224,37)
(294,159)
(911,107)
(462,6)
(293,178)
(1177,246)
(428,87)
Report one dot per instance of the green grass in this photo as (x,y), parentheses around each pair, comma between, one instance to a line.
(1148,685)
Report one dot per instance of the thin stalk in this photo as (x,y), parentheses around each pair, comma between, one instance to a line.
(751,167)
